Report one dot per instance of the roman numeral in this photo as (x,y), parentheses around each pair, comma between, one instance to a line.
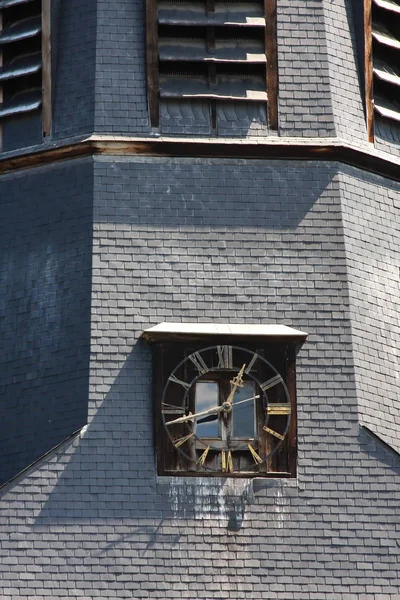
(198,362)
(224,357)
(271,383)
(171,409)
(275,433)
(251,363)
(257,459)
(179,381)
(202,459)
(278,409)
(182,440)
(226,461)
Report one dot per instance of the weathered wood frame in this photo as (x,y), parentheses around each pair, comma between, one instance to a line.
(1,87)
(271,50)
(46,69)
(153,82)
(166,454)
(368,70)
(46,72)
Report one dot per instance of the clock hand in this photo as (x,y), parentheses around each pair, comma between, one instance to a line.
(246,400)
(211,414)
(235,383)
(226,406)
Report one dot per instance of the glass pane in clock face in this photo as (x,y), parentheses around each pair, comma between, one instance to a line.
(244,414)
(207,396)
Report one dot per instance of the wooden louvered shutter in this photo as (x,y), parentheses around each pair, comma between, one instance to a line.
(25,58)
(213,51)
(382,60)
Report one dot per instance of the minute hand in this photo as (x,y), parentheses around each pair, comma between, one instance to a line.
(246,400)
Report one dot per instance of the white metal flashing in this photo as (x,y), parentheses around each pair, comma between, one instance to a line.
(222,329)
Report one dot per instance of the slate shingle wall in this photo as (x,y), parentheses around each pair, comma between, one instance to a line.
(74,62)
(121,95)
(387,136)
(189,239)
(305,103)
(372,237)
(22,132)
(45,241)
(344,43)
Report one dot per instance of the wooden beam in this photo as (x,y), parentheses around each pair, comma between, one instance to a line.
(46,68)
(386,166)
(1,87)
(271,49)
(152,62)
(368,70)
(292,433)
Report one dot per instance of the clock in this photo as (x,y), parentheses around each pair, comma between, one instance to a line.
(225,409)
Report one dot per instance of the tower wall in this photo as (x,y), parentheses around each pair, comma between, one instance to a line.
(189,239)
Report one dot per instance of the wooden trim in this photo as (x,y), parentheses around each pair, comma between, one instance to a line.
(291,386)
(271,48)
(152,62)
(385,166)
(368,68)
(1,87)
(46,68)
(158,379)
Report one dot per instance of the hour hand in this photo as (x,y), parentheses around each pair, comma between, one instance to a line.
(235,383)
(192,416)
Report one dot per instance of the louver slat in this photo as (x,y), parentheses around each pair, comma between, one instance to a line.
(382,35)
(388,5)
(21,66)
(184,50)
(8,3)
(386,109)
(386,36)
(386,73)
(228,14)
(172,18)
(21,103)
(229,90)
(21,30)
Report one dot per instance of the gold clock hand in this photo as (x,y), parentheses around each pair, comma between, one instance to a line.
(235,383)
(192,416)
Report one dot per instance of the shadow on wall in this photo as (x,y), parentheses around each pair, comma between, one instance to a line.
(221,194)
(110,473)
(355,16)
(45,281)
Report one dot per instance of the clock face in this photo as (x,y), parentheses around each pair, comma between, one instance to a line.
(226,409)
